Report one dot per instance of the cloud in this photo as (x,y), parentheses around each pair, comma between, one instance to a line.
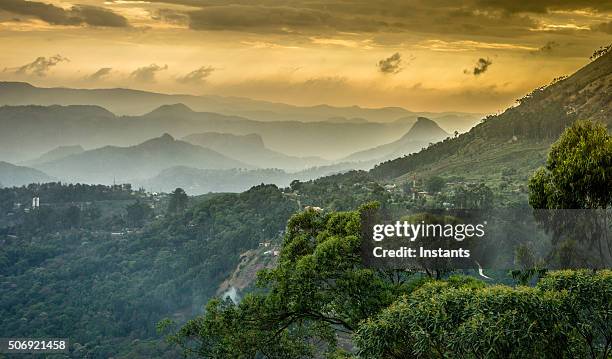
(548,48)
(482,65)
(245,17)
(40,66)
(77,15)
(471,17)
(170,16)
(543,6)
(147,73)
(100,74)
(197,75)
(391,65)
(97,16)
(603,27)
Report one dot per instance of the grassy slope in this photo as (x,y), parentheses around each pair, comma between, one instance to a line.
(487,150)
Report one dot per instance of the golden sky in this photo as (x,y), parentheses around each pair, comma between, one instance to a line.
(424,55)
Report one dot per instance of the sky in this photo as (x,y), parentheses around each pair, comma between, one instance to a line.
(423,55)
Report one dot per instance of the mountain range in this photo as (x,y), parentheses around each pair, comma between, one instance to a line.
(145,160)
(250,149)
(31,130)
(135,102)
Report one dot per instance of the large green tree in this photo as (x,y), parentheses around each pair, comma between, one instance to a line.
(178,201)
(577,175)
(318,289)
(578,172)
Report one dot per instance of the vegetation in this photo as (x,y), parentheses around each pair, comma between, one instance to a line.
(578,172)
(319,296)
(105,282)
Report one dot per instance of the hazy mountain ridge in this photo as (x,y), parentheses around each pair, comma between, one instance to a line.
(29,131)
(199,181)
(251,149)
(420,135)
(12,175)
(136,102)
(110,163)
(56,154)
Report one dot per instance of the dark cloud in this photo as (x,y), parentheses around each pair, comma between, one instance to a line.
(245,17)
(100,74)
(324,17)
(603,27)
(77,15)
(391,65)
(170,16)
(147,73)
(544,6)
(482,65)
(547,48)
(501,18)
(40,66)
(97,16)
(197,76)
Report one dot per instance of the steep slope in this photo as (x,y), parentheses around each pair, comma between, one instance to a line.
(420,135)
(11,175)
(250,148)
(55,154)
(517,140)
(107,164)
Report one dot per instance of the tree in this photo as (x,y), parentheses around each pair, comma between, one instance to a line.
(178,201)
(565,316)
(434,184)
(578,171)
(72,217)
(318,288)
(600,52)
(577,175)
(137,213)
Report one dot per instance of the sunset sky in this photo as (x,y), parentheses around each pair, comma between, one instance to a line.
(425,55)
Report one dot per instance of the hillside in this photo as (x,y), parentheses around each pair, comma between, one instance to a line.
(110,163)
(250,148)
(11,175)
(516,141)
(420,135)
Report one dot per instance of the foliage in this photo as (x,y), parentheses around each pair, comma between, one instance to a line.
(178,201)
(434,184)
(600,52)
(106,291)
(578,172)
(318,287)
(557,319)
(137,213)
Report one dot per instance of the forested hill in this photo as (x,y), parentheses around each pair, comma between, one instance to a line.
(524,131)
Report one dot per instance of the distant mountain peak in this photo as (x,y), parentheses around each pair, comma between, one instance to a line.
(172,109)
(166,137)
(425,129)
